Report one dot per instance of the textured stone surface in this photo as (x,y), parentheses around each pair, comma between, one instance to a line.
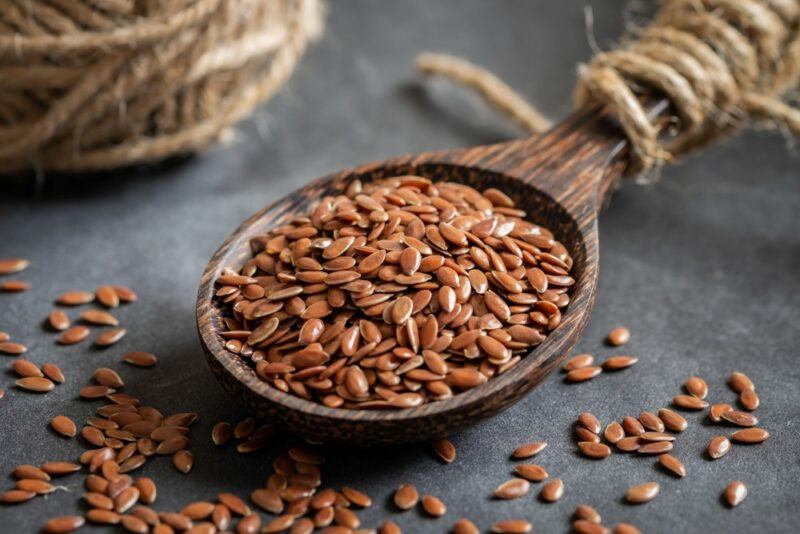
(701,266)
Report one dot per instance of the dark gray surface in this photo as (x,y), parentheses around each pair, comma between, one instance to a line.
(703,267)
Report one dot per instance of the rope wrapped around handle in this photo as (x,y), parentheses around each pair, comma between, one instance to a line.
(721,63)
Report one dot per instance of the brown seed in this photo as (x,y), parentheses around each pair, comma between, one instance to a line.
(406,497)
(358,498)
(617,363)
(716,411)
(749,399)
(36,384)
(63,524)
(107,377)
(651,422)
(73,335)
(53,372)
(696,387)
(58,320)
(99,317)
(594,450)
(590,422)
(64,426)
(26,368)
(655,447)
(109,337)
(32,472)
(626,528)
(553,490)
(147,490)
(13,265)
(656,436)
(267,499)
(739,418)
(718,447)
(433,506)
(628,444)
(672,464)
(142,359)
(583,373)
(532,472)
(583,526)
(40,487)
(103,517)
(619,336)
(60,468)
(278,524)
(198,510)
(134,524)
(249,525)
(735,493)
(614,432)
(107,296)
(95,392)
(183,461)
(528,450)
(12,348)
(462,526)
(221,433)
(75,298)
(512,489)
(632,426)
(672,420)
(512,526)
(750,435)
(445,450)
(125,294)
(642,493)
(688,402)
(578,361)
(14,286)
(587,513)
(740,382)
(16,496)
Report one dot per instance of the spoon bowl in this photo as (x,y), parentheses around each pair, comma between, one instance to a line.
(560,179)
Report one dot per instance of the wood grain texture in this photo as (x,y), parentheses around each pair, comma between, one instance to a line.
(560,178)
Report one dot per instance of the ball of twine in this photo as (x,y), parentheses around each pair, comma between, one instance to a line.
(96,84)
(721,63)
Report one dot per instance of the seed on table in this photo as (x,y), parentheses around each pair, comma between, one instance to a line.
(739,418)
(590,422)
(655,447)
(40,487)
(25,368)
(587,513)
(107,296)
(632,426)
(99,317)
(673,421)
(14,286)
(249,524)
(716,411)
(512,526)
(35,384)
(618,363)
(16,496)
(183,461)
(445,450)
(528,450)
(406,497)
(147,490)
(642,493)
(512,489)
(582,526)
(688,402)
(73,335)
(95,392)
(234,504)
(75,298)
(750,435)
(718,447)
(740,382)
(619,336)
(651,422)
(532,472)
(614,432)
(30,472)
(672,464)
(4,336)
(142,359)
(64,426)
(462,526)
(198,510)
(656,436)
(749,399)
(628,444)
(53,372)
(98,500)
(13,265)
(553,490)
(626,528)
(433,506)
(594,450)
(60,468)
(63,524)
(12,348)
(181,522)
(735,493)
(2,393)
(125,294)
(578,361)
(358,498)
(107,377)
(586,435)
(583,374)
(58,320)
(221,433)
(109,337)
(103,517)
(696,387)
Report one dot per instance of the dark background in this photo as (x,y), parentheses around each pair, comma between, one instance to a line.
(702,266)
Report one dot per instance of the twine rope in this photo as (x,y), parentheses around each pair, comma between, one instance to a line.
(721,63)
(95,84)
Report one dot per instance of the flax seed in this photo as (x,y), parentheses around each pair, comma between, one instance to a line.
(583,374)
(64,426)
(462,526)
(528,450)
(552,490)
(614,432)
(740,382)
(716,411)
(63,524)
(406,497)
(512,526)
(688,402)
(672,464)
(109,337)
(696,387)
(587,513)
(58,320)
(594,450)
(628,444)
(590,422)
(672,420)
(12,348)
(531,472)
(617,363)
(739,418)
(445,450)
(512,489)
(433,506)
(73,335)
(749,399)
(718,447)
(619,336)
(750,435)
(99,317)
(735,493)
(75,298)
(35,384)
(642,493)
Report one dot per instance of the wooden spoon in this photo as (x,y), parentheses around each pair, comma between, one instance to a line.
(561,178)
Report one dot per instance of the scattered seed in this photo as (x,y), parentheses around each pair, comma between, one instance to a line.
(587,513)
(528,450)
(614,432)
(60,468)
(594,450)
(651,421)
(583,374)
(552,490)
(740,382)
(512,489)
(25,368)
(739,418)
(512,526)
(357,498)
(64,524)
(642,493)
(36,384)
(749,399)
(107,377)
(672,464)
(619,336)
(406,497)
(582,526)
(628,444)
(716,411)
(718,447)
(445,450)
(578,361)
(75,298)
(109,337)
(673,420)
(31,472)
(64,426)
(107,296)
(221,433)
(750,435)
(532,472)
(735,493)
(618,363)
(99,317)
(433,506)
(13,265)
(12,348)
(14,286)
(73,335)
(655,447)
(183,461)
(626,528)
(696,387)
(58,320)
(142,359)
(462,526)
(632,426)
(688,402)
(16,496)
